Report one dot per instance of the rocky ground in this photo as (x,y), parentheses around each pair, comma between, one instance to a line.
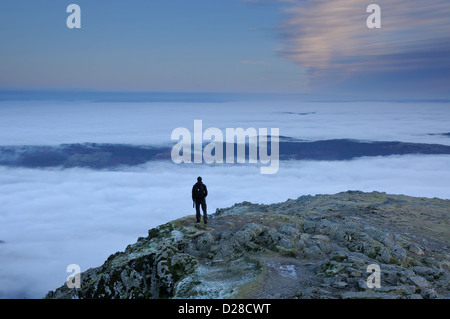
(310,247)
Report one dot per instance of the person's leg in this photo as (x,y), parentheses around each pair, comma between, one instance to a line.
(197,211)
(205,215)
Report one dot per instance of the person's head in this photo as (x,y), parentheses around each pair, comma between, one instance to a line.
(199,179)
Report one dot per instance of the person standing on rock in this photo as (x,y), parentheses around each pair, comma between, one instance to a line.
(199,193)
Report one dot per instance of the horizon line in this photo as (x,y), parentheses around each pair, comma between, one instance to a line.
(18,94)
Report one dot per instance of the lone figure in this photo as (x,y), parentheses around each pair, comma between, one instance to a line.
(199,193)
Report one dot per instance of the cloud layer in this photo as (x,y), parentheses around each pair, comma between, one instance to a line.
(53,218)
(67,122)
(50,218)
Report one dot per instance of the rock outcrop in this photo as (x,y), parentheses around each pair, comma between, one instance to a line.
(311,247)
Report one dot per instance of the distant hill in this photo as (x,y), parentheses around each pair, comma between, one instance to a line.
(98,155)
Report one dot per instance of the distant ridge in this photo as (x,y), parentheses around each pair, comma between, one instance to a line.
(103,155)
(187,97)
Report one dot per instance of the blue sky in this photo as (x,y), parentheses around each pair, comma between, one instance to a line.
(263,46)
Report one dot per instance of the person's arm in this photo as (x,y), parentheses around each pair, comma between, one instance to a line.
(193,193)
(206,190)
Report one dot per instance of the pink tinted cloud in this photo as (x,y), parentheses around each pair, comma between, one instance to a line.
(332,37)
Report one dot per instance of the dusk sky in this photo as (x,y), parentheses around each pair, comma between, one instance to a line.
(256,46)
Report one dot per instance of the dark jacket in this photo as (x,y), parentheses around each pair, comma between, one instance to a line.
(203,191)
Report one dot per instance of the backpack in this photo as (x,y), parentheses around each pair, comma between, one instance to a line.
(198,191)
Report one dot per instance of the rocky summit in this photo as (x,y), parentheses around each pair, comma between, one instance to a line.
(347,245)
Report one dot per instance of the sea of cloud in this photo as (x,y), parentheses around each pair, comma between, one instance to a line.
(50,218)
(58,122)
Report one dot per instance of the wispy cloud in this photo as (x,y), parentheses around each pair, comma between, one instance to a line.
(332,39)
